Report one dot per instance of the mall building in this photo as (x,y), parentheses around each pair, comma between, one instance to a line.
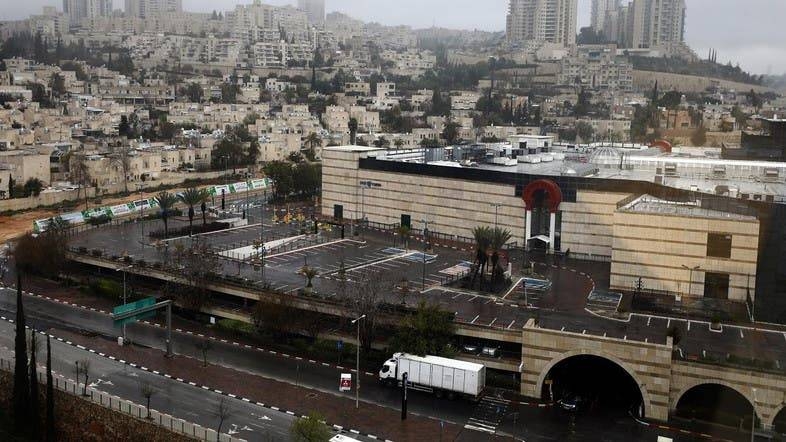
(683,225)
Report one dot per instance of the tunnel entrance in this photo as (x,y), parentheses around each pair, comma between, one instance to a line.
(716,404)
(595,384)
(779,424)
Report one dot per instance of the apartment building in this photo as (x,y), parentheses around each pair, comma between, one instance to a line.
(546,21)
(76,10)
(149,8)
(314,9)
(597,67)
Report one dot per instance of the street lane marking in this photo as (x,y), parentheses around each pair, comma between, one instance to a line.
(649,320)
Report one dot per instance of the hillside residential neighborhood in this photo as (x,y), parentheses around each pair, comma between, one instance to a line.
(223,223)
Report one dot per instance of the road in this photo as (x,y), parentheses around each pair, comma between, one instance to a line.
(316,376)
(184,401)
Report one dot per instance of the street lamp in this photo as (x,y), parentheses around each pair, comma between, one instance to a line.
(496,213)
(426,248)
(753,416)
(124,270)
(690,282)
(357,363)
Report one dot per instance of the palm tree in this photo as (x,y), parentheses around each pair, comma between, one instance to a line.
(191,197)
(310,273)
(353,130)
(499,237)
(204,195)
(482,235)
(312,141)
(166,201)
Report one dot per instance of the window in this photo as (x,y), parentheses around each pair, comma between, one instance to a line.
(716,285)
(719,245)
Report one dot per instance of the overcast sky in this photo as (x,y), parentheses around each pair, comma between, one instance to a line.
(743,31)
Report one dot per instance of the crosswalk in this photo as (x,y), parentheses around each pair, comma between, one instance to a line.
(488,415)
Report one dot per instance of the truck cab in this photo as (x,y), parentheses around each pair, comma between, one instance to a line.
(387,374)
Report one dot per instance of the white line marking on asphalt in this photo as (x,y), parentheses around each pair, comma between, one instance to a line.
(584,332)
(625,338)
(511,324)
(476,318)
(668,324)
(649,319)
(492,322)
(742,336)
(688,324)
(563,328)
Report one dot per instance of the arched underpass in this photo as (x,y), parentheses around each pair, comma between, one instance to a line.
(779,424)
(716,404)
(603,386)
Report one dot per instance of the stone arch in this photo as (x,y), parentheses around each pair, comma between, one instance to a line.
(645,396)
(699,382)
(550,187)
(771,421)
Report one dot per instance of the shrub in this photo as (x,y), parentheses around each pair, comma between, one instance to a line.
(97,253)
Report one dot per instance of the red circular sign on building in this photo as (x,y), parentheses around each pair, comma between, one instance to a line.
(550,187)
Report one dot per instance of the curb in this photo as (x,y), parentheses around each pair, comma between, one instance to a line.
(677,430)
(183,381)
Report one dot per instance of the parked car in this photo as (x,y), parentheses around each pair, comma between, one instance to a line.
(572,403)
(471,349)
(491,352)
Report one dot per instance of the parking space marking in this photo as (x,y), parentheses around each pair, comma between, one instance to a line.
(492,322)
(511,324)
(476,318)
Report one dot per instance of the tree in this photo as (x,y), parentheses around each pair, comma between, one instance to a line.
(428,332)
(403,232)
(670,100)
(204,195)
(191,197)
(166,201)
(124,129)
(33,187)
(450,133)
(121,159)
(57,84)
(21,394)
(312,142)
(585,131)
(193,92)
(311,428)
(699,137)
(50,395)
(147,391)
(222,412)
(353,131)
(84,368)
(365,297)
(80,173)
(34,391)
(499,237)
(281,173)
(204,346)
(309,273)
(197,266)
(482,235)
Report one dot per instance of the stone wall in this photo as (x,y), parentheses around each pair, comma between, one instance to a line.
(770,395)
(645,80)
(648,364)
(655,247)
(587,224)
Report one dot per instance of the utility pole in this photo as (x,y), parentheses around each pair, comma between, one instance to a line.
(496,214)
(404,380)
(426,248)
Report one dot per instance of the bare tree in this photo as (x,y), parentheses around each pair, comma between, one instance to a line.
(147,391)
(197,265)
(275,313)
(80,173)
(204,346)
(222,413)
(121,158)
(365,296)
(84,367)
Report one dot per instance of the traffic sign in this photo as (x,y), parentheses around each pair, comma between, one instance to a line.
(133,306)
(345,383)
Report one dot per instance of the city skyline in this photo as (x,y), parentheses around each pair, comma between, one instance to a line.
(710,23)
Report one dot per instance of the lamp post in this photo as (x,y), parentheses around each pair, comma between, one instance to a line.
(753,416)
(496,213)
(690,282)
(124,270)
(426,248)
(357,363)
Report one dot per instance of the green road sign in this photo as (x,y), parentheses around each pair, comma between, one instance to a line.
(130,307)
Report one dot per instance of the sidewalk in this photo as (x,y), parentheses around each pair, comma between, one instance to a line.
(384,423)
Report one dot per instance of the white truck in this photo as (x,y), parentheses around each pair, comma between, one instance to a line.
(433,374)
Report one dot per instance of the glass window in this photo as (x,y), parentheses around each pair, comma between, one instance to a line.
(719,245)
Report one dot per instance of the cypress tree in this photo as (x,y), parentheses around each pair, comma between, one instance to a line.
(21,395)
(50,395)
(34,403)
